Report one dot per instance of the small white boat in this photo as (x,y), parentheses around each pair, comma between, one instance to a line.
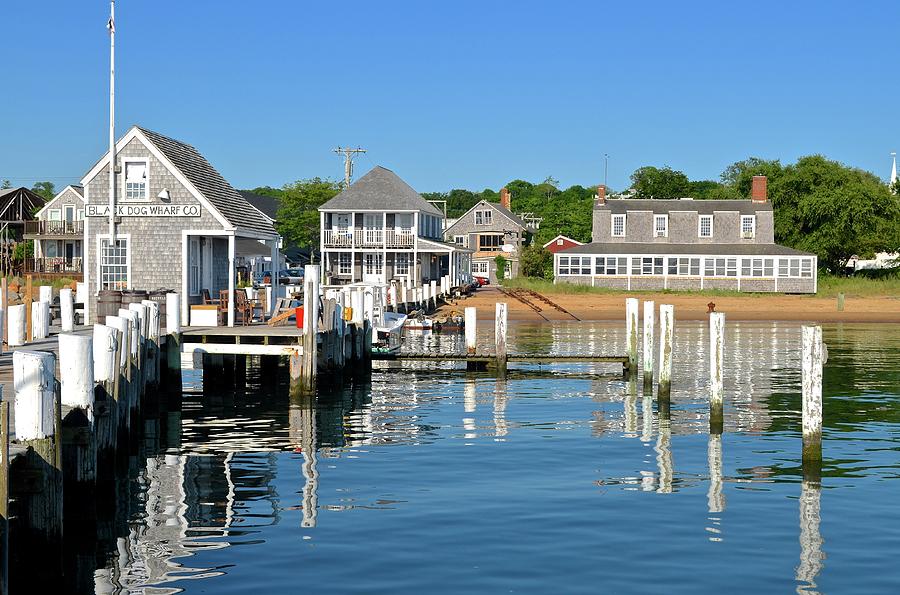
(386,338)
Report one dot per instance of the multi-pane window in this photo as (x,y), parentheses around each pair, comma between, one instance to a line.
(490,243)
(757,267)
(618,226)
(660,226)
(795,267)
(483,217)
(684,266)
(748,226)
(402,264)
(459,240)
(345,264)
(135,180)
(480,268)
(113,264)
(194,257)
(574,265)
(611,265)
(647,265)
(720,267)
(706,226)
(374,264)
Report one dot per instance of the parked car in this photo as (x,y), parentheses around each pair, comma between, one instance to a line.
(482,281)
(291,277)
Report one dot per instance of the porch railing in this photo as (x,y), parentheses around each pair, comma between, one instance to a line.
(55,228)
(338,238)
(368,238)
(400,239)
(54,264)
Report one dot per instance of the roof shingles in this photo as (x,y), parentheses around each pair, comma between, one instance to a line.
(380,190)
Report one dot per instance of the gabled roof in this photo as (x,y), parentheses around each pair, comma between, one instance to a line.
(562,237)
(380,190)
(199,177)
(267,205)
(497,207)
(76,190)
(17,204)
(667,205)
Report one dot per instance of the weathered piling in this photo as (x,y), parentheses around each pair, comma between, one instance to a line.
(28,299)
(471,329)
(173,349)
(4,323)
(715,497)
(79,457)
(66,310)
(111,389)
(4,494)
(500,337)
(631,334)
(45,293)
(716,371)
(153,359)
(38,489)
(433,293)
(16,325)
(129,402)
(812,361)
(840,302)
(303,365)
(666,347)
(40,320)
(649,307)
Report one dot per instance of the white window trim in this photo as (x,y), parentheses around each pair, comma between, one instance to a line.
(119,236)
(349,259)
(612,227)
(700,226)
(479,264)
(752,219)
(665,231)
(191,240)
(125,162)
(487,217)
(51,212)
(407,264)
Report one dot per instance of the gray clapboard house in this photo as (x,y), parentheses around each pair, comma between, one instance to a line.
(58,235)
(181,225)
(687,244)
(491,229)
(380,229)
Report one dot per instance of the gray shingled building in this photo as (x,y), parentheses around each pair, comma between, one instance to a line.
(380,229)
(181,225)
(687,244)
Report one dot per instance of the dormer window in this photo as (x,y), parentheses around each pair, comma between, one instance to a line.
(136,173)
(483,217)
(618,226)
(660,226)
(705,229)
(748,226)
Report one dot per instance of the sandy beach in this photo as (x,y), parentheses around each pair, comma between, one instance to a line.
(611,306)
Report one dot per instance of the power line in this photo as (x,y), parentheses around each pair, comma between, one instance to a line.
(349,155)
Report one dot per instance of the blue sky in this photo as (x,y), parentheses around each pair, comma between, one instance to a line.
(453,94)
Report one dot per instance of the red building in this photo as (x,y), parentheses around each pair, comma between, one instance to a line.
(560,243)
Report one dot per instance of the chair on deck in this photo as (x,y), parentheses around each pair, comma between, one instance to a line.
(204,294)
(243,308)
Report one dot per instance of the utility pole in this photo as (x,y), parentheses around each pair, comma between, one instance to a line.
(111,25)
(349,154)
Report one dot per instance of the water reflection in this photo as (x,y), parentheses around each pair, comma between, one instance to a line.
(211,482)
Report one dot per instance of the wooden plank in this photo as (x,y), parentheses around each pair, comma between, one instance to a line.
(240,349)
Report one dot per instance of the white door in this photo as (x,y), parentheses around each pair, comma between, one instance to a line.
(373,267)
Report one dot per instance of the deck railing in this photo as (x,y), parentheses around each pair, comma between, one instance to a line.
(54,264)
(55,228)
(368,238)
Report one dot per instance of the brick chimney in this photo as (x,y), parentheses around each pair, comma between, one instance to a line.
(504,198)
(601,195)
(758,192)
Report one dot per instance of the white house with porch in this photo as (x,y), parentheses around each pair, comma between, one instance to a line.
(380,230)
(180,225)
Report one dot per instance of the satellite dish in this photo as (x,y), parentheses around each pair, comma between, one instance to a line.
(508,248)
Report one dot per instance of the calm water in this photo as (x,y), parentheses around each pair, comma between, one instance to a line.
(438,481)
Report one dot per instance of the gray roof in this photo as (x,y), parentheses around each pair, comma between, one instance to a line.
(210,183)
(267,204)
(17,204)
(661,249)
(78,188)
(704,207)
(380,190)
(516,219)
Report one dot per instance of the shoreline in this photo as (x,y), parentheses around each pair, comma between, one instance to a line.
(752,307)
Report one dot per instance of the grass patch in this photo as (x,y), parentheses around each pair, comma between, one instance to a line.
(545,286)
(860,286)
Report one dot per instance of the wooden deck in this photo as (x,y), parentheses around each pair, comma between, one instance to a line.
(242,340)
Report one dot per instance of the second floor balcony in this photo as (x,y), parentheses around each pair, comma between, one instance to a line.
(55,265)
(54,228)
(368,238)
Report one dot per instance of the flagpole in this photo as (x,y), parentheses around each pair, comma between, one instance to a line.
(112,122)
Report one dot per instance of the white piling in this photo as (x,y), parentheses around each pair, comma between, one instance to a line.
(16,325)
(76,371)
(67,310)
(45,294)
(40,320)
(716,369)
(134,341)
(649,322)
(34,379)
(173,313)
(471,329)
(104,353)
(631,333)
(500,336)
(666,347)
(813,355)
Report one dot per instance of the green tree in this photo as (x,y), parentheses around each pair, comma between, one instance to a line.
(298,215)
(500,261)
(654,182)
(895,187)
(5,185)
(45,189)
(739,175)
(536,261)
(835,211)
(711,190)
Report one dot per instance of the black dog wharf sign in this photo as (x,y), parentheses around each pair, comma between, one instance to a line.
(144,210)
